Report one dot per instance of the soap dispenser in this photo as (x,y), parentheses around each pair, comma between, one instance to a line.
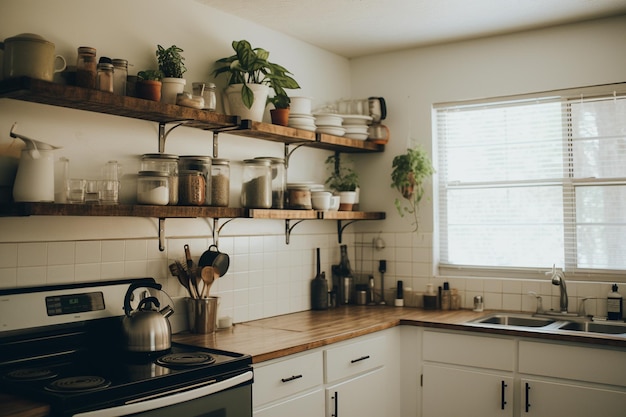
(614,304)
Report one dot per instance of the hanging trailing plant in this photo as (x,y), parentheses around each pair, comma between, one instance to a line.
(409,171)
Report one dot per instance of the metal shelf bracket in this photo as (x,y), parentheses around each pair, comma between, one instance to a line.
(164,133)
(217,229)
(340,228)
(289,228)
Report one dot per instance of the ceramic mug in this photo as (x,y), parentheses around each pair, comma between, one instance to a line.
(30,55)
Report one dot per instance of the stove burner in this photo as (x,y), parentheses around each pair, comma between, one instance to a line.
(186,359)
(31,374)
(78,384)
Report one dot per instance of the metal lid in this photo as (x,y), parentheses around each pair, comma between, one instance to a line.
(259,162)
(195,157)
(272,159)
(159,156)
(118,62)
(220,161)
(86,50)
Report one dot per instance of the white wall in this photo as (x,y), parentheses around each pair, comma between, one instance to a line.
(268,277)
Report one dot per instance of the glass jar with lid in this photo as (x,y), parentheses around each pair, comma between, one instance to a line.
(86,67)
(220,182)
(199,163)
(165,163)
(256,189)
(153,188)
(279,180)
(105,75)
(120,73)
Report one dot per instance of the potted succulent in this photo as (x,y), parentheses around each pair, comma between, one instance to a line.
(149,84)
(280,112)
(172,66)
(343,180)
(409,171)
(250,76)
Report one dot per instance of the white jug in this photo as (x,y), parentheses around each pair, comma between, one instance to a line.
(34,180)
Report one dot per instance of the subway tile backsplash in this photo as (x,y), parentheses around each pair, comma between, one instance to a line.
(267,277)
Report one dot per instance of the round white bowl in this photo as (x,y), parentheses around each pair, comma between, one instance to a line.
(300,105)
(327,119)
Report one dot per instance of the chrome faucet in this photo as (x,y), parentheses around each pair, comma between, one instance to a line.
(558,278)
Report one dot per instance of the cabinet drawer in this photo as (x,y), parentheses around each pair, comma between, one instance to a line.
(461,349)
(354,358)
(603,366)
(283,378)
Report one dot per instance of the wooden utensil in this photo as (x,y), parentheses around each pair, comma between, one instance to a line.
(187,278)
(208,277)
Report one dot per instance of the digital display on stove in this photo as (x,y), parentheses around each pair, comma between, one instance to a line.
(74,303)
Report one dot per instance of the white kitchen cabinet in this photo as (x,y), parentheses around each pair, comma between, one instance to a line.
(549,398)
(362,396)
(450,391)
(362,376)
(571,380)
(287,384)
(467,375)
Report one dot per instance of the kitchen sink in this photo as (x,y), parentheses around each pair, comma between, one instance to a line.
(518,320)
(595,327)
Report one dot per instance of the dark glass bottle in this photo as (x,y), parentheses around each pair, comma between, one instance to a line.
(319,288)
(346,277)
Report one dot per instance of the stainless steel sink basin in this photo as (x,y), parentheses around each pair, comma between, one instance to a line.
(595,327)
(518,320)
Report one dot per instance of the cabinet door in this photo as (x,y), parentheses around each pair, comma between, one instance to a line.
(362,396)
(306,405)
(450,391)
(543,398)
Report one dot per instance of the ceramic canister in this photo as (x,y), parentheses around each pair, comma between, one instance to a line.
(30,55)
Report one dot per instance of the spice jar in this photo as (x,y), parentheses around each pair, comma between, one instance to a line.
(120,73)
(207,91)
(104,80)
(165,163)
(201,164)
(220,182)
(86,67)
(256,190)
(279,181)
(153,188)
(299,197)
(191,188)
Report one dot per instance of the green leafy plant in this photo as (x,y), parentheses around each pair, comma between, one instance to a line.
(409,171)
(342,178)
(251,66)
(171,61)
(153,75)
(280,101)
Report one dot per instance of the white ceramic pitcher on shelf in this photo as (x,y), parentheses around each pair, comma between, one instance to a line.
(34,180)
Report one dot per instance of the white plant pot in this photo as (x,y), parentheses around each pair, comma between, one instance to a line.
(347,199)
(170,88)
(236,106)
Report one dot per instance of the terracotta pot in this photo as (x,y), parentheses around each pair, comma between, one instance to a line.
(347,199)
(280,117)
(149,89)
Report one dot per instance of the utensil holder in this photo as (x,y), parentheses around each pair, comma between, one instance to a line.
(202,314)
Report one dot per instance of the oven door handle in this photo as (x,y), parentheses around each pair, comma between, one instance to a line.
(169,398)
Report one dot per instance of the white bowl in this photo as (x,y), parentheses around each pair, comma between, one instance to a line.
(320,200)
(357,136)
(326,119)
(300,105)
(336,131)
(356,119)
(357,129)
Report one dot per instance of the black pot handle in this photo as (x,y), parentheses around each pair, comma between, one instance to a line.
(148,300)
(133,287)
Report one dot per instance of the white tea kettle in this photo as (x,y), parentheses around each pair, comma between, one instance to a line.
(34,180)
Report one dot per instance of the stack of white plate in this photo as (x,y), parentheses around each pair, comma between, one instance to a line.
(302,121)
(329,123)
(356,126)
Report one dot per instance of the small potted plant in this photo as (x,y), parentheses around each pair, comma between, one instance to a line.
(343,180)
(280,112)
(172,66)
(409,171)
(250,77)
(149,84)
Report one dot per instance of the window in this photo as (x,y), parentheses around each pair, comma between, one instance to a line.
(531,181)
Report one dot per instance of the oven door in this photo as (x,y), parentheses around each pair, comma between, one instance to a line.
(228,398)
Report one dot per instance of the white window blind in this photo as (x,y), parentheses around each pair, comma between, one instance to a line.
(532,181)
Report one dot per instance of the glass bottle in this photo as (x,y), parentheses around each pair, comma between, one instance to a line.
(120,73)
(346,277)
(220,182)
(256,189)
(86,67)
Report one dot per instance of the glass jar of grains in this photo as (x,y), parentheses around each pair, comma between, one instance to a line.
(220,182)
(256,189)
(86,67)
(279,180)
(153,188)
(199,163)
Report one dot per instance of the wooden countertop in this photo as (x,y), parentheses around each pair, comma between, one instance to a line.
(275,337)
(279,336)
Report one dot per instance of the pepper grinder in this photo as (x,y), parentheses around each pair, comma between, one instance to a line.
(382,268)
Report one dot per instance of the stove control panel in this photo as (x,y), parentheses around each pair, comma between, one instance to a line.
(75,303)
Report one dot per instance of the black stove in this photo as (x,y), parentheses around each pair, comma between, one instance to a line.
(77,365)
